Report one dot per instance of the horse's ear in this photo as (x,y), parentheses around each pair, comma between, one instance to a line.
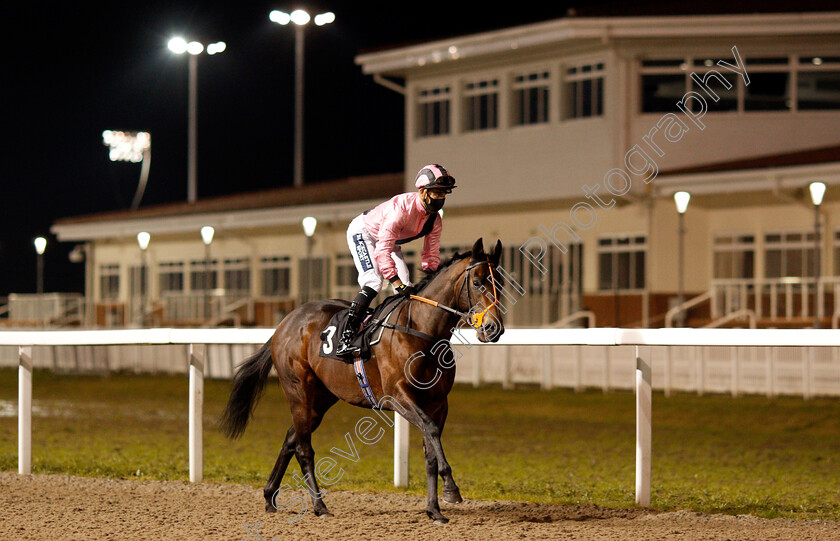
(497,252)
(478,249)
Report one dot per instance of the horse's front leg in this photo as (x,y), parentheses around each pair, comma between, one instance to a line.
(451,493)
(435,459)
(432,506)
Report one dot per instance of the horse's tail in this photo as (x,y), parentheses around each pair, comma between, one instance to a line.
(248,385)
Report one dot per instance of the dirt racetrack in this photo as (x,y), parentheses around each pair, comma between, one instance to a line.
(60,507)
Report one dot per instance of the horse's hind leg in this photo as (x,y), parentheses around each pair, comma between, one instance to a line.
(309,400)
(273,484)
(305,455)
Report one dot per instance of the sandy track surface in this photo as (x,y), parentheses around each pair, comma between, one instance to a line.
(61,507)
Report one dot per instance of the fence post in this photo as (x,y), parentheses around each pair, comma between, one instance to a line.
(506,383)
(807,361)
(578,369)
(643,425)
(198,355)
(547,368)
(401,428)
(477,367)
(25,410)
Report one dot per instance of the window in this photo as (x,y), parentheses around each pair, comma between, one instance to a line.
(530,98)
(276,276)
(171,277)
(346,276)
(313,277)
(663,84)
(109,282)
(789,254)
(837,253)
(138,283)
(734,256)
(818,83)
(237,275)
(203,276)
(583,91)
(621,262)
(481,100)
(769,88)
(715,82)
(433,110)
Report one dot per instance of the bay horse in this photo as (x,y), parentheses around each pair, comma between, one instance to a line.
(464,286)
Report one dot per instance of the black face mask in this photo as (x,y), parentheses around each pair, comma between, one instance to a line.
(433,205)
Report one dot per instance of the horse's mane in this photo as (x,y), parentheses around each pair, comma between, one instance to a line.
(431,275)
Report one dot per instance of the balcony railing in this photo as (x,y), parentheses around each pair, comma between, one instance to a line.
(777,298)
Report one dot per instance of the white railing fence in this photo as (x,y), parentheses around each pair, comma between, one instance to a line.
(640,343)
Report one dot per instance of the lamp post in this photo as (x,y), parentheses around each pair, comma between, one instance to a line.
(143,239)
(207,233)
(194,48)
(301,19)
(40,248)
(681,200)
(131,147)
(309,225)
(817,192)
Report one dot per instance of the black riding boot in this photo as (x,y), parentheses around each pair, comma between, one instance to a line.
(358,308)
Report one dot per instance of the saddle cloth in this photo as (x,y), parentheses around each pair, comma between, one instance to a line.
(369,335)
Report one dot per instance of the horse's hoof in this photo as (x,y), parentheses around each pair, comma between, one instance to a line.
(270,508)
(326,514)
(452,496)
(437,517)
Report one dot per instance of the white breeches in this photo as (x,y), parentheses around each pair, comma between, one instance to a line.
(361,245)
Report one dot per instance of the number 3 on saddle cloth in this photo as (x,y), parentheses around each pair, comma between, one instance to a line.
(373,326)
(370,334)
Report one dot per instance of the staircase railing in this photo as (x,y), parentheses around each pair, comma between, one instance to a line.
(671,314)
(738,314)
(581,314)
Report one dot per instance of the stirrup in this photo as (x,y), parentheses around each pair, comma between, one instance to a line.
(345,346)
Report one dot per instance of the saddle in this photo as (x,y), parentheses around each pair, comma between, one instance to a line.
(369,334)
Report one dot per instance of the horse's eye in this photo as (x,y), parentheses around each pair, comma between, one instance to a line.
(476,283)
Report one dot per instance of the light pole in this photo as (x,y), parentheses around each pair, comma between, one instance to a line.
(207,233)
(817,192)
(40,248)
(681,200)
(309,224)
(194,48)
(300,18)
(143,239)
(131,147)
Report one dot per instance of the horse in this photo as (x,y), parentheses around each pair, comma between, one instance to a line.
(400,370)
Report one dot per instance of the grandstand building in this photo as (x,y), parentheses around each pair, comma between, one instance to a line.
(569,139)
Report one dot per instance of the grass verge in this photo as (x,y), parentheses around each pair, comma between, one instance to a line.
(749,455)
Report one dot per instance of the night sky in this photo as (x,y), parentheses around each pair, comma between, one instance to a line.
(70,72)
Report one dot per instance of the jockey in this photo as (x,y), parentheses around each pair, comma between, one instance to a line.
(375,236)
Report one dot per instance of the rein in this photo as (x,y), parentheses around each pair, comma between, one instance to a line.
(475,320)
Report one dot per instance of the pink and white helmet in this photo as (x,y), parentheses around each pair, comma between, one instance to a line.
(434,176)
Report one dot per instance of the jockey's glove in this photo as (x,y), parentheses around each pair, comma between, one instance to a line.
(404,290)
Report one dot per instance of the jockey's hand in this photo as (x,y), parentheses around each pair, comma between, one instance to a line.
(404,290)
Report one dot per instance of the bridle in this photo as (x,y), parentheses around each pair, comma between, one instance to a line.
(476,320)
